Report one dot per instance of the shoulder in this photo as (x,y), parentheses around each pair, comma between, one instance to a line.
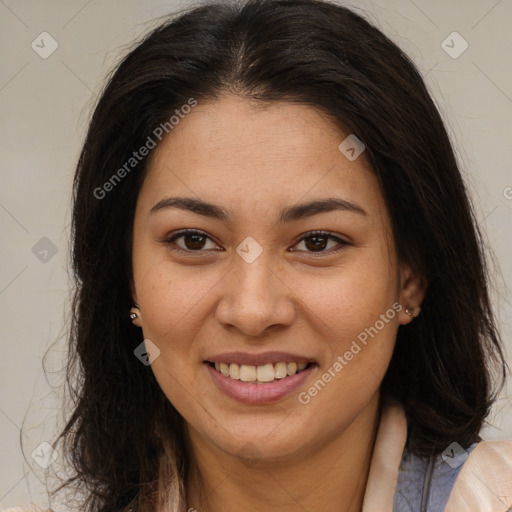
(484,483)
(476,479)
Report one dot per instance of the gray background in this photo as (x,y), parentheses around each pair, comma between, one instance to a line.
(45,105)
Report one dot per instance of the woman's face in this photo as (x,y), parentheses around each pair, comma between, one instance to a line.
(255,291)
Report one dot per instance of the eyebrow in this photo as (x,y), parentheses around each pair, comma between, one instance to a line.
(292,213)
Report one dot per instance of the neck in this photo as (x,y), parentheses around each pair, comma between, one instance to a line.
(331,477)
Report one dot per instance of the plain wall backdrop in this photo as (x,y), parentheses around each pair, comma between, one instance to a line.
(55,56)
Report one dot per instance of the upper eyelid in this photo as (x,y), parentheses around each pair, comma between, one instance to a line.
(184,232)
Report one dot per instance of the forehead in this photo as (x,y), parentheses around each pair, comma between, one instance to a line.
(246,152)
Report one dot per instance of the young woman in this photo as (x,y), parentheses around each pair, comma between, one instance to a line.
(282,298)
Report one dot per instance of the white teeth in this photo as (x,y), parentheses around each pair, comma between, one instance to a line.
(234,371)
(247,373)
(280,371)
(224,369)
(291,368)
(264,373)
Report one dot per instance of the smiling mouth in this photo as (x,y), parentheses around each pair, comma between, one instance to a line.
(259,374)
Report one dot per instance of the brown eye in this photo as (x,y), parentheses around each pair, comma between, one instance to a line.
(318,241)
(192,241)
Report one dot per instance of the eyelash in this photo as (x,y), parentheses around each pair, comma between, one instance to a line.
(311,234)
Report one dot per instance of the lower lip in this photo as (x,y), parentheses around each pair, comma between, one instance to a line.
(252,393)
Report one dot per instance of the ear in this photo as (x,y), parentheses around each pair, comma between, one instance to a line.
(413,286)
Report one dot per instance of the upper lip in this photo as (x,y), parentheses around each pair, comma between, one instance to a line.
(258,359)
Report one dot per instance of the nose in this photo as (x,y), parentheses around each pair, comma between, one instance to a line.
(256,298)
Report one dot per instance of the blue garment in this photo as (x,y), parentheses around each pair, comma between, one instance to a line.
(424,483)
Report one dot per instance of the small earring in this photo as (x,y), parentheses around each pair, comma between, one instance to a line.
(133,313)
(409,311)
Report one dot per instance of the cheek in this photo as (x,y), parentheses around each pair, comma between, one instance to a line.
(357,318)
(349,299)
(177,384)
(172,299)
(173,310)
(355,313)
